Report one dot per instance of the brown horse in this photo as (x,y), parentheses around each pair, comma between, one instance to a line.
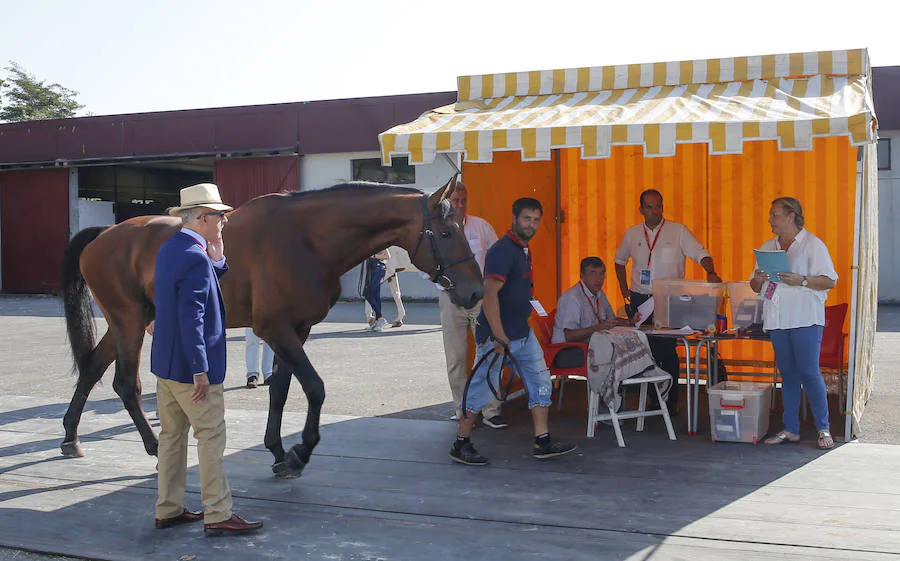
(286,254)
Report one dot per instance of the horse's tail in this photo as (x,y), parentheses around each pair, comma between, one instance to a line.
(77,298)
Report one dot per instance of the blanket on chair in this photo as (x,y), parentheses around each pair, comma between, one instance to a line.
(615,355)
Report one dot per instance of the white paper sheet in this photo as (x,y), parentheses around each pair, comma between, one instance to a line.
(538,308)
(644,311)
(683,331)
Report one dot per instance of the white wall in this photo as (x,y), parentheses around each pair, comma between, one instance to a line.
(889,224)
(318,171)
(95,213)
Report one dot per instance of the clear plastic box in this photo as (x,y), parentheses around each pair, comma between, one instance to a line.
(678,303)
(746,305)
(739,411)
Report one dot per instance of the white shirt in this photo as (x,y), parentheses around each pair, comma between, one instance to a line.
(481,237)
(798,306)
(675,242)
(578,308)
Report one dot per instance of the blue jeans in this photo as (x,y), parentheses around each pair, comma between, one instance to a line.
(797,357)
(373,285)
(533,371)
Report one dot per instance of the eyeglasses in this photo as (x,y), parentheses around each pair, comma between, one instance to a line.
(220,215)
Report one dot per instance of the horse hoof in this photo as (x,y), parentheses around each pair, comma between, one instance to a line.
(283,471)
(291,466)
(71,450)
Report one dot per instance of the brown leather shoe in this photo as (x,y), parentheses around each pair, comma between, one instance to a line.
(234,525)
(183,518)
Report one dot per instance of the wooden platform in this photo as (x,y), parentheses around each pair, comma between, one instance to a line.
(384,488)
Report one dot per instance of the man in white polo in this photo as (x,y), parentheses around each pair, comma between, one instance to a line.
(657,248)
(456,321)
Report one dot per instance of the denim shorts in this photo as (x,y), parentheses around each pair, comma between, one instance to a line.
(532,369)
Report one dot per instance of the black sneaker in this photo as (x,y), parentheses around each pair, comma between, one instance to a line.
(496,422)
(551,448)
(465,453)
(251,382)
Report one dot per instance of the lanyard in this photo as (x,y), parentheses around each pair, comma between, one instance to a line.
(655,239)
(595,304)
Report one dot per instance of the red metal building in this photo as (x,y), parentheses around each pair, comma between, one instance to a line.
(140,161)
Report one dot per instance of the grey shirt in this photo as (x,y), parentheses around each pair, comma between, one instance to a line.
(578,308)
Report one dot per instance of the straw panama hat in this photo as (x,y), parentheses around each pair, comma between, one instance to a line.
(201,195)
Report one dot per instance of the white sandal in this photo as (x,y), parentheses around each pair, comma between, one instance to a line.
(781,437)
(823,434)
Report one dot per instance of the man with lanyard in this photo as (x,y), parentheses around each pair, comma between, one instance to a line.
(658,248)
(503,328)
(582,311)
(457,321)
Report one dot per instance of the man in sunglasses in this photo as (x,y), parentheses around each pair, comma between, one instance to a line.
(188,358)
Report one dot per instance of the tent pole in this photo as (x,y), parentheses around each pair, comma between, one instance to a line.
(560,216)
(850,402)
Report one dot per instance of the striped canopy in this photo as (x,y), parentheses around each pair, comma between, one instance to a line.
(791,98)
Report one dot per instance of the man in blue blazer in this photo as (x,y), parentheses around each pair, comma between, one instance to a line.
(188,358)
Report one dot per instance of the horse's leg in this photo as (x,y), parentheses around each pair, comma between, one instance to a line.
(279,384)
(101,357)
(127,383)
(295,358)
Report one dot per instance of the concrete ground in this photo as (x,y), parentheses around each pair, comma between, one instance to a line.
(398,373)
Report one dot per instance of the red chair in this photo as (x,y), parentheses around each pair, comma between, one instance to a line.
(832,354)
(545,326)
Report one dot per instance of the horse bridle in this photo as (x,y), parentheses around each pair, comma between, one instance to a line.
(440,267)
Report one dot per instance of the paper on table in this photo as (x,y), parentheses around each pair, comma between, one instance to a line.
(772,262)
(683,331)
(644,311)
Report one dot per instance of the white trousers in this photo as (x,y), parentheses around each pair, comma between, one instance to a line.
(394,285)
(251,355)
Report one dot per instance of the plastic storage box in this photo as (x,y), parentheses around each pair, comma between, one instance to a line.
(739,411)
(678,303)
(746,305)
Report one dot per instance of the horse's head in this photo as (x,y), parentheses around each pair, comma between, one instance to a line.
(443,252)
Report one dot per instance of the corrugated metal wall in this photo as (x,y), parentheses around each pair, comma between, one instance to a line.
(242,179)
(35,222)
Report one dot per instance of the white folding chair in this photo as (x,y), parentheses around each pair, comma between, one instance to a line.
(594,403)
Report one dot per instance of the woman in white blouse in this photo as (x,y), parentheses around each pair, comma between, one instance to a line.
(794,317)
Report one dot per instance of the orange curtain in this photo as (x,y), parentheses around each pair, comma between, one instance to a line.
(723,200)
(492,190)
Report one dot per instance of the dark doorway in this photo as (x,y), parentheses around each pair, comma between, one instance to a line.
(142,189)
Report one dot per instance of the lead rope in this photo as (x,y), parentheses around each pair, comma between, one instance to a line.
(500,393)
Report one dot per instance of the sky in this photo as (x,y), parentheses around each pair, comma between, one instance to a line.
(155,55)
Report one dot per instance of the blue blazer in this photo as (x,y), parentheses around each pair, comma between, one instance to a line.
(189,332)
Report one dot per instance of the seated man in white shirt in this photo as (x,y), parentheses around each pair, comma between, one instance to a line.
(582,311)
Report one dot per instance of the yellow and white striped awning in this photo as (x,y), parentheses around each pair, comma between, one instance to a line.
(791,98)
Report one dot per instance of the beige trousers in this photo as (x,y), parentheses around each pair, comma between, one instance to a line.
(177,413)
(455,330)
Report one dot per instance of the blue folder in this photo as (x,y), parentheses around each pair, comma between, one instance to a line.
(772,262)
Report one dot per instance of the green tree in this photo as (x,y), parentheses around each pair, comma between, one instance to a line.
(25,98)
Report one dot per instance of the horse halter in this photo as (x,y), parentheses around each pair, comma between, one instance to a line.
(441,269)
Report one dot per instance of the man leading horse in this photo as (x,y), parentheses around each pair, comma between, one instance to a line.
(286,255)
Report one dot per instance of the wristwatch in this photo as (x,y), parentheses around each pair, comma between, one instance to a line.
(804,282)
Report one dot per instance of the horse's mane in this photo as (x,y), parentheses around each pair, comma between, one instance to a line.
(357,186)
(363,187)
